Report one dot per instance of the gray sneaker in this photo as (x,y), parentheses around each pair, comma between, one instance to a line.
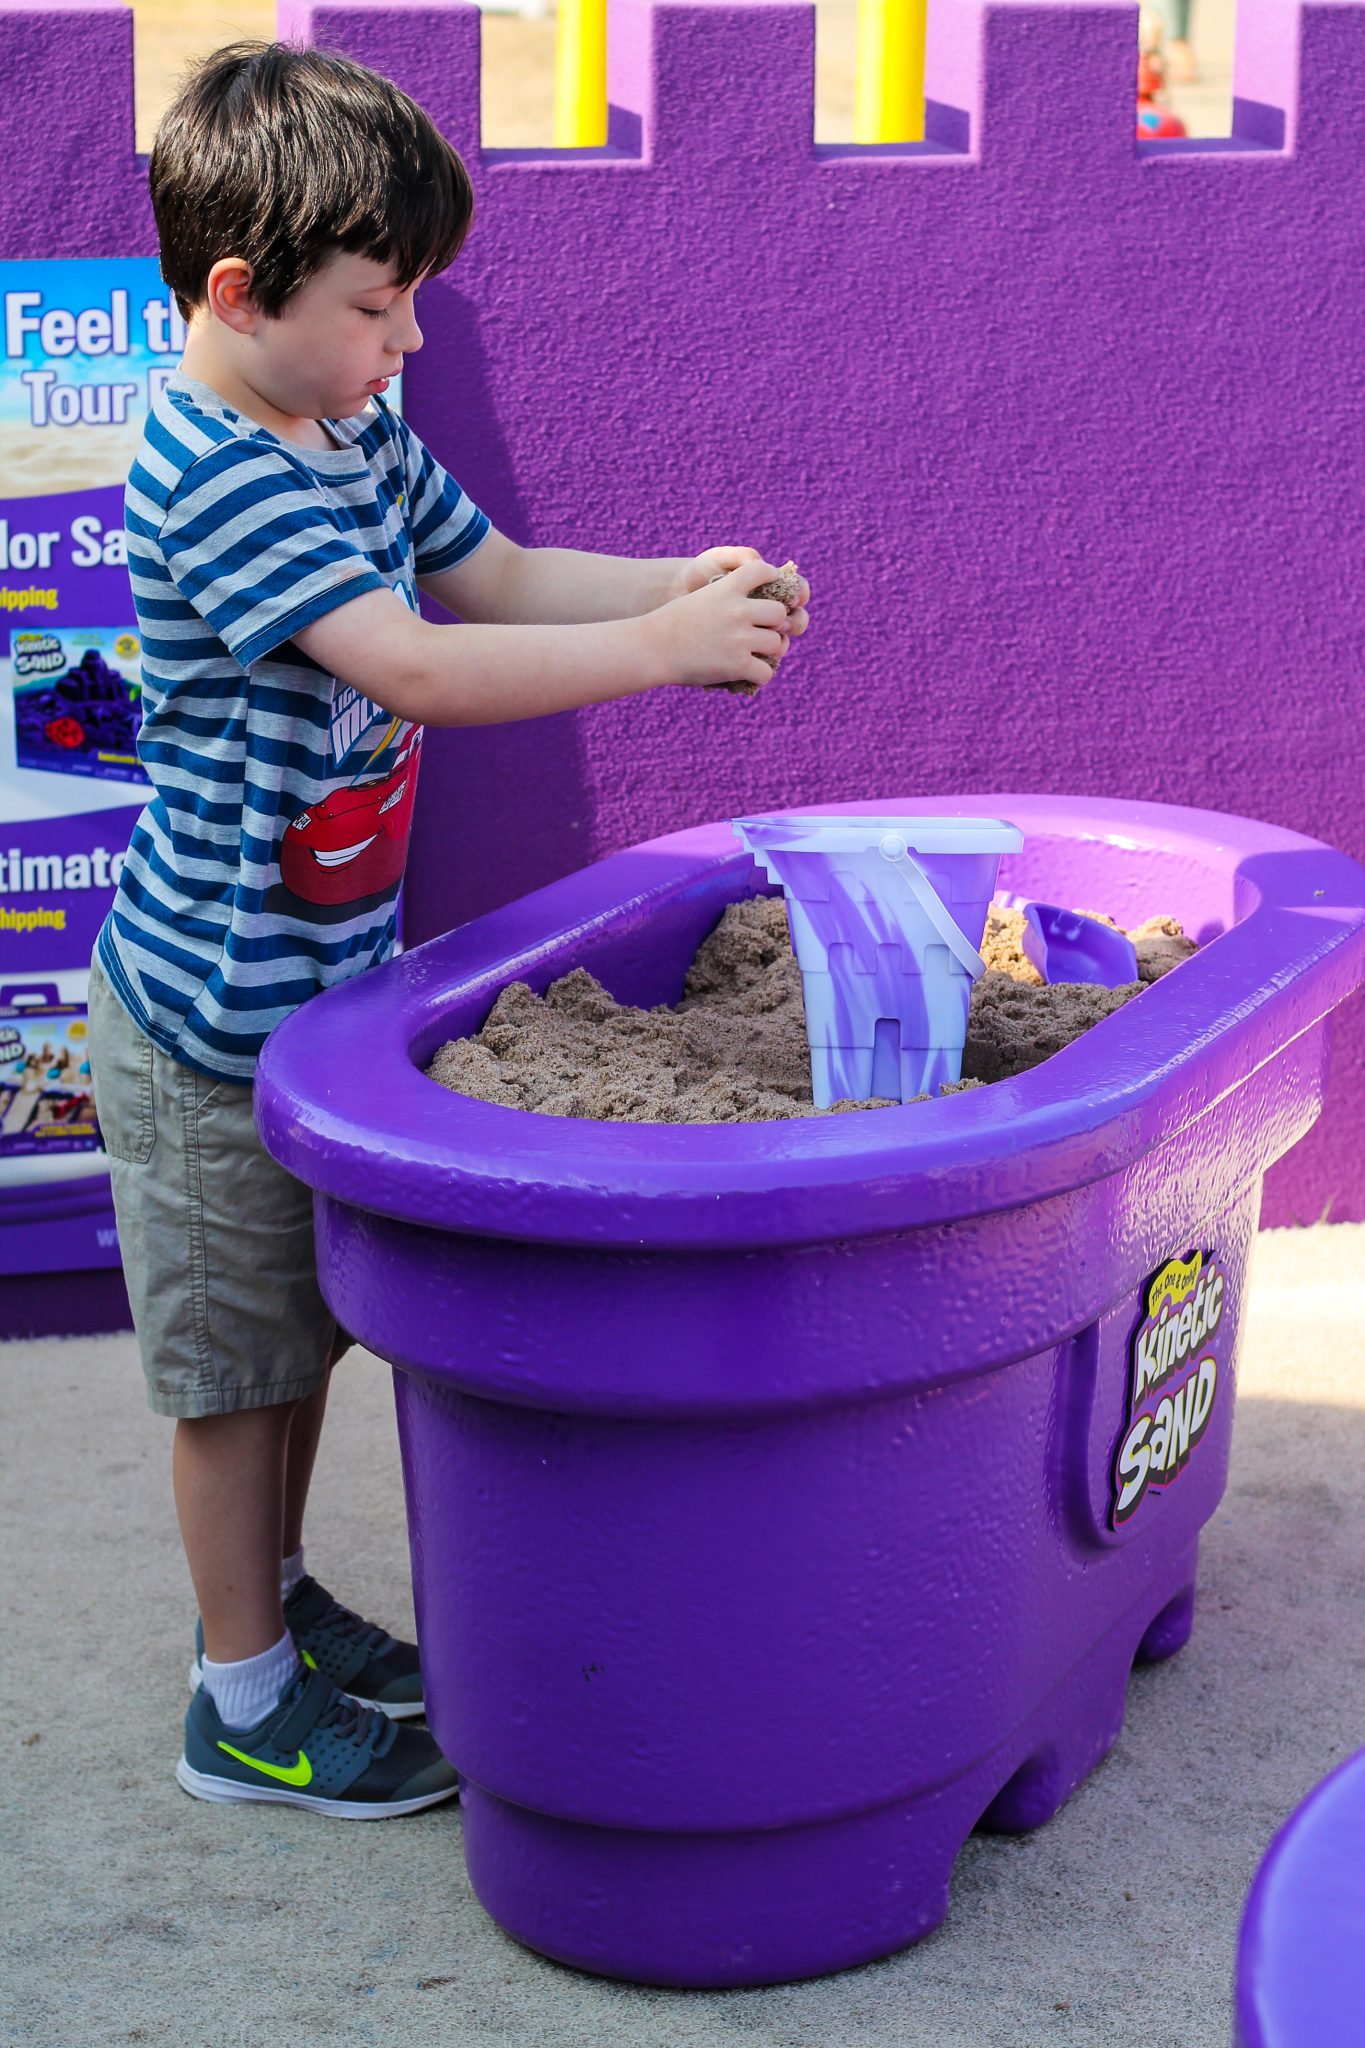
(359,1657)
(317,1748)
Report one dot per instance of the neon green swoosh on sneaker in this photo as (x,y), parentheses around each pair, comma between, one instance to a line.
(300,1773)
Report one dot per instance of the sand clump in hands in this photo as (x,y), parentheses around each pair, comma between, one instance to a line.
(784,589)
(734,1049)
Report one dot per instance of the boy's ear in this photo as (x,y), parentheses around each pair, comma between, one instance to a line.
(228,293)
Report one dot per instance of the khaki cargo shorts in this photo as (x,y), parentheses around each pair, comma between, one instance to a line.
(217,1240)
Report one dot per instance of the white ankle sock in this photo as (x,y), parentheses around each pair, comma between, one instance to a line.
(291,1571)
(244,1693)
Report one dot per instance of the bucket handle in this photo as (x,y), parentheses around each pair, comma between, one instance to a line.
(897,854)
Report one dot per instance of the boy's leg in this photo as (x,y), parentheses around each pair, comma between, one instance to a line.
(368,1662)
(229,1473)
(218,1256)
(265,1725)
(301,1449)
(305,1428)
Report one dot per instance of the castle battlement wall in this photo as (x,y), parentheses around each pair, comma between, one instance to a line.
(1067,432)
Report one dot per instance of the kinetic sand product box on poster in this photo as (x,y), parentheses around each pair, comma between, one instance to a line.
(46,1104)
(86,346)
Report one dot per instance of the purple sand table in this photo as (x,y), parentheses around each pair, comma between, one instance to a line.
(779,1493)
(1066,431)
(1301,1952)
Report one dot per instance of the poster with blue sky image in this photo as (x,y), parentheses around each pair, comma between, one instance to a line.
(86,345)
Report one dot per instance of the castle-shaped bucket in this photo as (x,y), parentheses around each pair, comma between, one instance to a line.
(886,915)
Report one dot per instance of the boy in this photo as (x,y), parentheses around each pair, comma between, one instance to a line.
(281,520)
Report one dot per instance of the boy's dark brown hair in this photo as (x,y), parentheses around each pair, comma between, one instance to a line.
(282,156)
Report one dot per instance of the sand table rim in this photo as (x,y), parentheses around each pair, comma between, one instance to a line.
(342,1101)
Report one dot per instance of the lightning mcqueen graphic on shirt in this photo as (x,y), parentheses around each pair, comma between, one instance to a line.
(354,843)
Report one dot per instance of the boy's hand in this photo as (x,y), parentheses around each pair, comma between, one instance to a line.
(716,632)
(704,568)
(717,561)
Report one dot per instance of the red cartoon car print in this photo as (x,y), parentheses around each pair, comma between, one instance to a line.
(354,843)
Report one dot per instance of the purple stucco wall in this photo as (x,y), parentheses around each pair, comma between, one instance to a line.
(1068,435)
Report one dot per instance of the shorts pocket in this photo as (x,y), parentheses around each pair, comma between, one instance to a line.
(220,1095)
(121,1059)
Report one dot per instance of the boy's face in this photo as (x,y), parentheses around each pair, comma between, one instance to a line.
(336,342)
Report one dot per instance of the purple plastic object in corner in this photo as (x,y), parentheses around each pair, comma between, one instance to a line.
(1301,1952)
(1065,946)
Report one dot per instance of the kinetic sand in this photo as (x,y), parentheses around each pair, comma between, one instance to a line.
(785,590)
(734,1050)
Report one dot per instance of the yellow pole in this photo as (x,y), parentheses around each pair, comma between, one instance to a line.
(581,74)
(889,103)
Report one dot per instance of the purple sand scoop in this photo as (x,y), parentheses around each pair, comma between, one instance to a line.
(1064,946)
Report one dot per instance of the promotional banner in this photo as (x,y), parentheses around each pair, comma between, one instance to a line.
(87,345)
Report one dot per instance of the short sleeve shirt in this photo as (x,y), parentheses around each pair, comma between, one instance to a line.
(267,863)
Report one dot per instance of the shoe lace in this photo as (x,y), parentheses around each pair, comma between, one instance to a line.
(340,1621)
(348,1719)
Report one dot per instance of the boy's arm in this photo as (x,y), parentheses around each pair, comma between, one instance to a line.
(501,584)
(488,674)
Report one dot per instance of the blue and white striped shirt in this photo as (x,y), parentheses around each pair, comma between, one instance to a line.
(267,863)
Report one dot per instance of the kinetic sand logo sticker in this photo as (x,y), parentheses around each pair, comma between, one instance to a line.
(1173,1379)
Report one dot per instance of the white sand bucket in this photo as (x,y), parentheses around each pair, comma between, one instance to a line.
(886,915)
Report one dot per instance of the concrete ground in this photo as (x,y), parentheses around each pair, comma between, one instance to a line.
(133,1914)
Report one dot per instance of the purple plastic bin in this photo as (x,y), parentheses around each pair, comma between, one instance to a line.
(788,1499)
(1301,1954)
